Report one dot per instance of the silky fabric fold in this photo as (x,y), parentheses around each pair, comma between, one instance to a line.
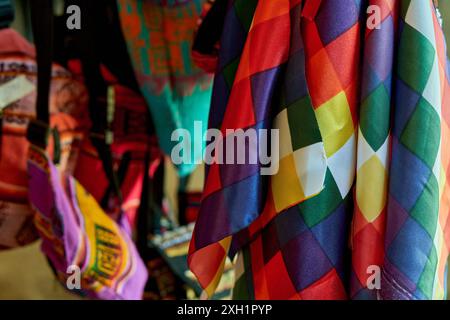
(379,95)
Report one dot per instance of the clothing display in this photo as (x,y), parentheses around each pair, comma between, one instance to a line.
(293,235)
(224,149)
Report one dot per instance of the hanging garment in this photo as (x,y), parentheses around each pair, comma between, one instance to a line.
(130,146)
(68,100)
(302,252)
(333,79)
(400,219)
(75,232)
(159,35)
(308,162)
(232,44)
(374,145)
(417,225)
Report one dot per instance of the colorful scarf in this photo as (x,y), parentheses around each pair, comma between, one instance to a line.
(291,251)
(305,247)
(232,45)
(159,35)
(400,207)
(417,224)
(374,145)
(303,170)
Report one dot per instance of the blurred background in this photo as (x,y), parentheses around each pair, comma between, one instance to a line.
(445,10)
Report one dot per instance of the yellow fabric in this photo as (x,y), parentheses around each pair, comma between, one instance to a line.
(25,274)
(335,123)
(109,263)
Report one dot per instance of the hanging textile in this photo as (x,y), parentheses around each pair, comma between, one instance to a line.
(402,230)
(237,24)
(75,232)
(417,224)
(130,146)
(305,247)
(303,170)
(374,144)
(68,99)
(159,35)
(299,248)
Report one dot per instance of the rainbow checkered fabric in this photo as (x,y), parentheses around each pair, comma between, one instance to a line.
(362,179)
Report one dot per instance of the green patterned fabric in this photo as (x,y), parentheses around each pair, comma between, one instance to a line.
(159,36)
